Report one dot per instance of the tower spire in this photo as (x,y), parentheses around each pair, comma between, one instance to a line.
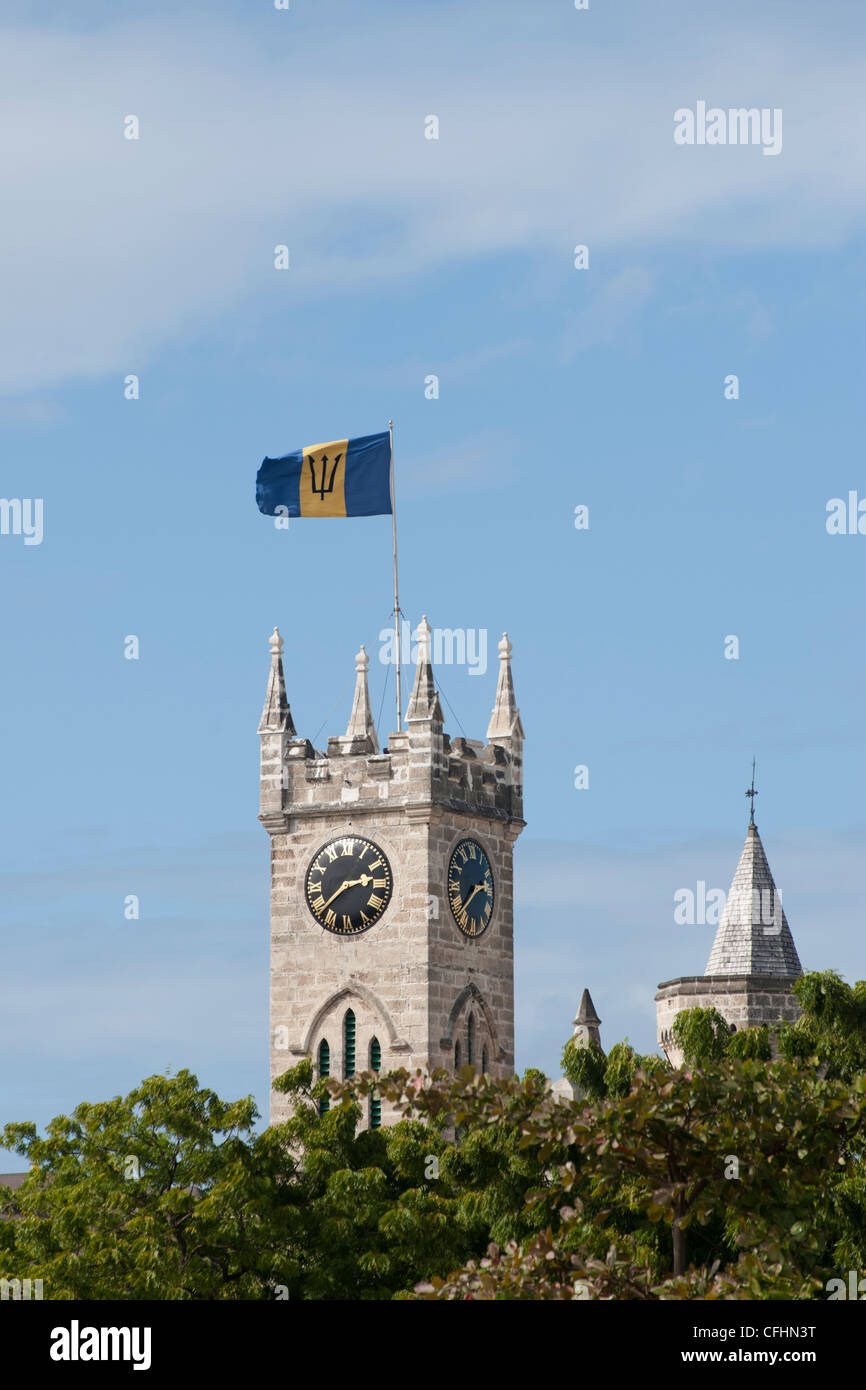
(587,1023)
(424,703)
(753,936)
(361,724)
(505,719)
(276,714)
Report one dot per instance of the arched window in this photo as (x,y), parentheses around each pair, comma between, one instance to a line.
(457,1055)
(484,1061)
(349,1044)
(375,1102)
(324,1070)
(470,1040)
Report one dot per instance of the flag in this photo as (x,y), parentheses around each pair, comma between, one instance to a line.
(348,477)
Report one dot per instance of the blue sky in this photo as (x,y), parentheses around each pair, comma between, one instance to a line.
(558,387)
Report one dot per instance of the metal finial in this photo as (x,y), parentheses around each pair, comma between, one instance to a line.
(752,794)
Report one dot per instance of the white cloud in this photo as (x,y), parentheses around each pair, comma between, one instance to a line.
(112,248)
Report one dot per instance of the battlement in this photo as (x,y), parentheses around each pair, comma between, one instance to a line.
(421,764)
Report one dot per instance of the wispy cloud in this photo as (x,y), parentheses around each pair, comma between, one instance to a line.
(114,247)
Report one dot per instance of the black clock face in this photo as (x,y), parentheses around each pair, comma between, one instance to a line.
(348,885)
(470,888)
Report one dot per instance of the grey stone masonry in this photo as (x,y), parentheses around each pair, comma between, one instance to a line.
(743,1001)
(753,937)
(753,966)
(415,983)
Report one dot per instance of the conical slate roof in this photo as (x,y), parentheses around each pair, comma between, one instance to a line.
(753,937)
(586,1010)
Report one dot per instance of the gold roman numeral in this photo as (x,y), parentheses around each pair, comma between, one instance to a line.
(348,846)
(375,901)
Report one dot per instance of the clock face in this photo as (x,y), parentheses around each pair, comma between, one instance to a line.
(348,885)
(470,888)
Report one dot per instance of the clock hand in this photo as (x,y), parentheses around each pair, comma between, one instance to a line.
(341,889)
(476,889)
(349,883)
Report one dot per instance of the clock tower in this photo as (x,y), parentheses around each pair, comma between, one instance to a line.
(392,903)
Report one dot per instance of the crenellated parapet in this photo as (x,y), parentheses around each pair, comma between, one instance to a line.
(421,764)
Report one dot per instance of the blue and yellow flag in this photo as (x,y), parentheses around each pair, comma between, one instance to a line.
(348,477)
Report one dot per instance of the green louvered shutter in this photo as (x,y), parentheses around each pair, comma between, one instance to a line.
(324,1070)
(375,1102)
(349,1044)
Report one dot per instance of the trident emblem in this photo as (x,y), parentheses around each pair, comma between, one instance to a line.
(324,487)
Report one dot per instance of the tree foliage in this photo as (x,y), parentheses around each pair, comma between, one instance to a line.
(736,1176)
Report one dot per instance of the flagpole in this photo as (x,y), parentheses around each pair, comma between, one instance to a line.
(396,589)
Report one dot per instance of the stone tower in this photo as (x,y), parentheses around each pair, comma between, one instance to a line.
(392,909)
(753,965)
(586,1022)
(586,1030)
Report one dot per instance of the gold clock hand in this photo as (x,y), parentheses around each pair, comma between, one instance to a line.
(349,883)
(476,889)
(344,885)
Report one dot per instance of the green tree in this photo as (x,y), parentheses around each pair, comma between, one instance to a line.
(743,1143)
(831,1032)
(702,1034)
(163,1194)
(596,1075)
